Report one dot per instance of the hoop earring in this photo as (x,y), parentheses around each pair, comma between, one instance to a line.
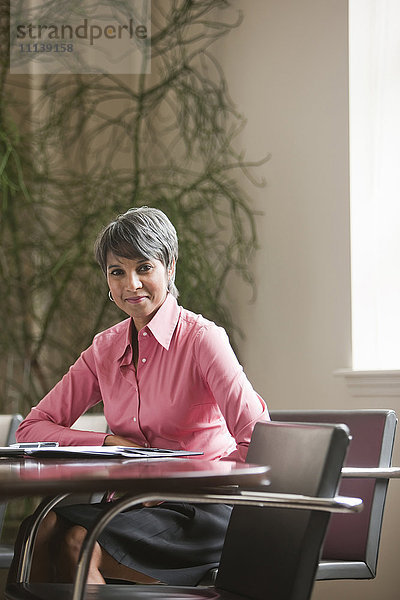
(110,296)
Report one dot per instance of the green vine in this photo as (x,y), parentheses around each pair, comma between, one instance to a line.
(94,146)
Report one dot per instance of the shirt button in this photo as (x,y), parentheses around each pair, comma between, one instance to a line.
(144,360)
(146,445)
(134,418)
(144,333)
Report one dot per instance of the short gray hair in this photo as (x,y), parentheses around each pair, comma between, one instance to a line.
(140,233)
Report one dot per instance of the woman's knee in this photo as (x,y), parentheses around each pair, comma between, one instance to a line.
(72,542)
(48,528)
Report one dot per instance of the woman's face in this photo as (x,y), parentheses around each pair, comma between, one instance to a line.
(138,286)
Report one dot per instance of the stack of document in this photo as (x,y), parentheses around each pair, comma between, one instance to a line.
(45,450)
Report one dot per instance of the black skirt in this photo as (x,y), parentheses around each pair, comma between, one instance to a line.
(175,543)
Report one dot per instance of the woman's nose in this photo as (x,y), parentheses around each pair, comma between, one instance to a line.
(134,281)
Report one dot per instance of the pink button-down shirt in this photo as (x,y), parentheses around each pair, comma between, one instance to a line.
(188,391)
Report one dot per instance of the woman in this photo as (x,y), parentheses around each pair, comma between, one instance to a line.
(168,378)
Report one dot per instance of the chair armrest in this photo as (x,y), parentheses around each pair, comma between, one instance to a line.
(337,504)
(372,473)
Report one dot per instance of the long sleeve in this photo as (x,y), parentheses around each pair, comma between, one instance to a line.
(52,418)
(240,405)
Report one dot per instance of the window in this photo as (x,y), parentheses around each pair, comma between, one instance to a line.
(374,34)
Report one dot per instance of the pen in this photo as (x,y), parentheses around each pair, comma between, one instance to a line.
(35,445)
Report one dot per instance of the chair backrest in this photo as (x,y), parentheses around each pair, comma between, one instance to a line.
(352,541)
(8,427)
(91,422)
(274,552)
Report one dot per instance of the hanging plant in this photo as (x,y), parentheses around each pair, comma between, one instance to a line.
(95,146)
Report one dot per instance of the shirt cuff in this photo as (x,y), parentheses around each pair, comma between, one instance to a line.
(75,437)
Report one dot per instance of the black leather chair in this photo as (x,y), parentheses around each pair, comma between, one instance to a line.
(352,541)
(8,427)
(268,552)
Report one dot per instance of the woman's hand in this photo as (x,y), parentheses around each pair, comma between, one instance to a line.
(117,440)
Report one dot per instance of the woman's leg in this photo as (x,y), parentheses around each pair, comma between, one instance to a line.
(48,539)
(56,555)
(102,564)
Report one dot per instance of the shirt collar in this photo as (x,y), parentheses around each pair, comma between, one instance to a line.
(164,322)
(162,326)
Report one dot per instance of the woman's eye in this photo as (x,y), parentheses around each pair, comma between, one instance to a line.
(144,268)
(116,272)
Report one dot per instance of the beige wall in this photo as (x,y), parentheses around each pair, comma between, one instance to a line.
(287,68)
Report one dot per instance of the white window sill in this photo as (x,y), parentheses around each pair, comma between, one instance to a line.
(371,383)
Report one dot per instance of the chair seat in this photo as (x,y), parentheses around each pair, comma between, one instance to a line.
(327,569)
(63,591)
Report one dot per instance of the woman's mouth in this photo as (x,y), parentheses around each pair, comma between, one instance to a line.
(135,299)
